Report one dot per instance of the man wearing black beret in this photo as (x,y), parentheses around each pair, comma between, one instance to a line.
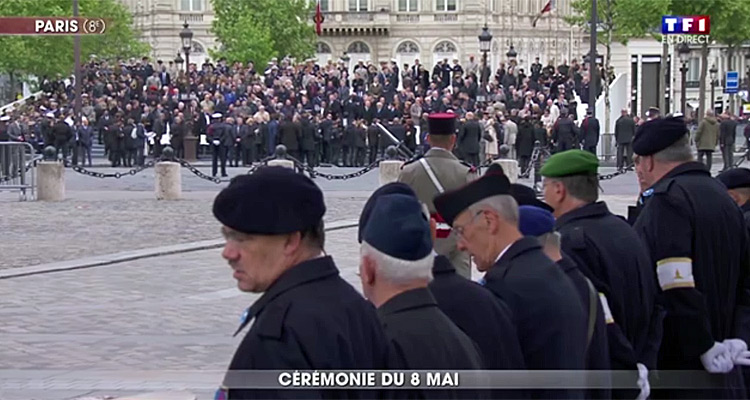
(308,317)
(737,181)
(551,322)
(696,237)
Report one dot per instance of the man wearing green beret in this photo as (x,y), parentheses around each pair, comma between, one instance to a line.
(608,251)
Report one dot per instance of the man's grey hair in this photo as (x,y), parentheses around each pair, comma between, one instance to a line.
(551,239)
(679,151)
(504,205)
(582,186)
(398,271)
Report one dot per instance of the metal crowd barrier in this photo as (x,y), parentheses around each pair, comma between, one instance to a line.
(18,169)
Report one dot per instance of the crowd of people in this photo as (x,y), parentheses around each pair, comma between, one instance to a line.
(330,113)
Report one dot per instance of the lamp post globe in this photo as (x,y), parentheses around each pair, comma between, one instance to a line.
(683,50)
(485,39)
(511,54)
(186,38)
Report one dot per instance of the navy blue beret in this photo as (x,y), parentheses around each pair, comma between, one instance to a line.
(450,204)
(735,178)
(271,201)
(535,221)
(658,134)
(389,188)
(525,196)
(397,228)
(441,123)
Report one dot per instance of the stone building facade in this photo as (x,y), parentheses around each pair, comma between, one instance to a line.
(378,30)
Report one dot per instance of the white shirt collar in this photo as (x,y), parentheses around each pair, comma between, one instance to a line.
(502,253)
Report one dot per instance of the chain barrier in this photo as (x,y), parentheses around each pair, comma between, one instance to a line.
(116,175)
(622,171)
(535,156)
(313,173)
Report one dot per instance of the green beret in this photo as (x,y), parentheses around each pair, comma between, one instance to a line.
(570,162)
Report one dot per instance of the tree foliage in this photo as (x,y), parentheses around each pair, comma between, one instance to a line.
(52,55)
(624,19)
(258,30)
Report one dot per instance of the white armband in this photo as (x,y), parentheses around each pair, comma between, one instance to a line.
(608,319)
(675,272)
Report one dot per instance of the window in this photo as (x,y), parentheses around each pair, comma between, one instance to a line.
(445,5)
(407,5)
(191,5)
(407,47)
(357,5)
(694,70)
(324,6)
(358,48)
(322,48)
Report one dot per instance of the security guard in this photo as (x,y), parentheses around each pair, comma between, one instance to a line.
(737,182)
(549,315)
(623,275)
(436,172)
(696,236)
(308,317)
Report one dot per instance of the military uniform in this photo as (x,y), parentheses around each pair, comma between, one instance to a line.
(624,277)
(434,173)
(697,237)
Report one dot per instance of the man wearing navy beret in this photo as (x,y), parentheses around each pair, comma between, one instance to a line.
(308,317)
(549,316)
(623,275)
(483,317)
(737,181)
(696,237)
(395,269)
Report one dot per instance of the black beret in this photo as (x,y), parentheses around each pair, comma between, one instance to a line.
(525,196)
(390,188)
(494,168)
(441,123)
(658,134)
(454,202)
(735,178)
(398,228)
(271,201)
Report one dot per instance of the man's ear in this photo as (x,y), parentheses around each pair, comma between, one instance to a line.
(292,243)
(368,271)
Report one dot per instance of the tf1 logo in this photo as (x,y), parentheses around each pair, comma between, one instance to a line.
(688,24)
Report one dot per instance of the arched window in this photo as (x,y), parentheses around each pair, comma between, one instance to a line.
(322,48)
(197,48)
(358,48)
(445,47)
(407,47)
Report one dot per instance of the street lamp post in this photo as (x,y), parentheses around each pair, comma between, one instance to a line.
(683,50)
(485,40)
(186,37)
(511,54)
(713,72)
(592,60)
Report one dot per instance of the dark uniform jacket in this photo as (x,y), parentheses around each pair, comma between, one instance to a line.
(308,135)
(289,133)
(597,351)
(608,251)
(746,213)
(422,337)
(624,130)
(547,311)
(483,317)
(309,319)
(590,132)
(565,134)
(525,139)
(697,238)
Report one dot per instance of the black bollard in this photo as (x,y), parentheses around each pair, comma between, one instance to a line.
(167,154)
(391,153)
(50,153)
(280,152)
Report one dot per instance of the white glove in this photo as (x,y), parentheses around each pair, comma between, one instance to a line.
(738,351)
(717,360)
(643,382)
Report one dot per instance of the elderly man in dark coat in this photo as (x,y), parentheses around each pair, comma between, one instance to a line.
(395,269)
(549,315)
(308,317)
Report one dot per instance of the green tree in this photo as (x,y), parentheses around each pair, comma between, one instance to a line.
(258,30)
(27,56)
(618,21)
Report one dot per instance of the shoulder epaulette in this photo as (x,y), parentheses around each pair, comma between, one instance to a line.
(411,161)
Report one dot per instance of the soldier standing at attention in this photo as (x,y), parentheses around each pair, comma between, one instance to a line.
(697,239)
(436,172)
(308,317)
